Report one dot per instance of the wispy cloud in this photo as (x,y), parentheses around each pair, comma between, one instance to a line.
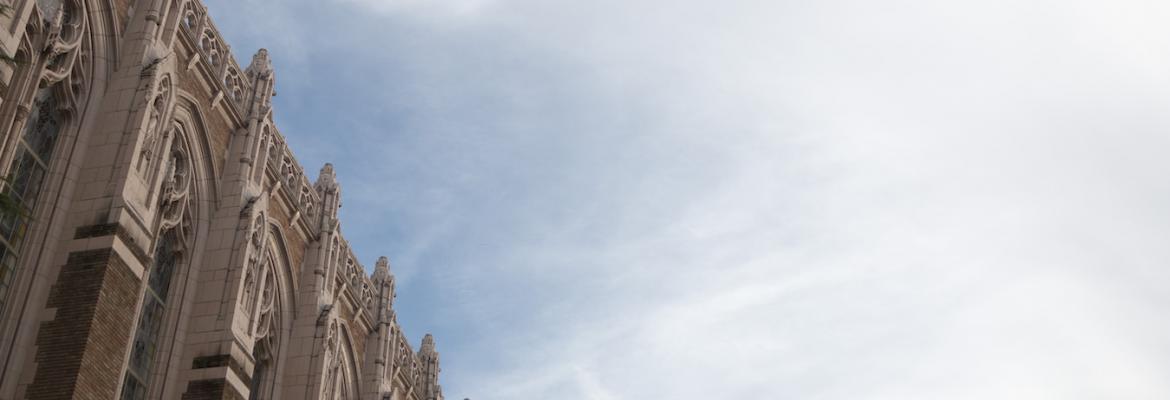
(691,200)
(441,9)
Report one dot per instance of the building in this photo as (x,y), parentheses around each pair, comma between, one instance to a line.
(171,246)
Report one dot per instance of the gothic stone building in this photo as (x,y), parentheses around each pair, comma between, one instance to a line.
(169,245)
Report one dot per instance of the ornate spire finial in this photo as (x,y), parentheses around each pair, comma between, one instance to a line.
(327,179)
(261,64)
(428,345)
(381,269)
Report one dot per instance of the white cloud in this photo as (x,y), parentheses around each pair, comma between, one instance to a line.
(838,200)
(443,8)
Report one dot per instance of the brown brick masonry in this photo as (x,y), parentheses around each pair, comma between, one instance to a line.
(80,352)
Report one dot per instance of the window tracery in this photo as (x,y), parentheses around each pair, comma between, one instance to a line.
(67,25)
(266,332)
(210,46)
(190,17)
(233,85)
(256,241)
(267,299)
(261,301)
(174,226)
(332,362)
(26,178)
(57,69)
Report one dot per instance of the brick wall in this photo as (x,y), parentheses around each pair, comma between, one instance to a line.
(80,352)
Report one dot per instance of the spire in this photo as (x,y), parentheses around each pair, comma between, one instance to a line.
(260,73)
(428,379)
(383,289)
(330,192)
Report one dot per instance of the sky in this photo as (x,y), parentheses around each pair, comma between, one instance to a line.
(683,199)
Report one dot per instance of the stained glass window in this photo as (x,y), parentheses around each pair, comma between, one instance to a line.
(146,337)
(260,379)
(25,181)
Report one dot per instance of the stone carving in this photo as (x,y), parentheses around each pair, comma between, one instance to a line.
(333,364)
(152,135)
(67,26)
(256,239)
(174,199)
(264,319)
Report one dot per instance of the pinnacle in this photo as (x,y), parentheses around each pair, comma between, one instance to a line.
(428,344)
(381,269)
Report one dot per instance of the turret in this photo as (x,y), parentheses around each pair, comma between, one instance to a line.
(259,132)
(329,190)
(263,80)
(383,282)
(428,384)
(428,347)
(379,358)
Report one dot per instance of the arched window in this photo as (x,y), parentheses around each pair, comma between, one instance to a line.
(262,303)
(154,303)
(26,179)
(262,381)
(266,329)
(175,217)
(52,86)
(336,385)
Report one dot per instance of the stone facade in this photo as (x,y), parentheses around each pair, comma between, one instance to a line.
(170,246)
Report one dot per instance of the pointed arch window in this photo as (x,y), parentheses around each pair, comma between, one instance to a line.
(175,217)
(26,179)
(337,375)
(266,329)
(147,335)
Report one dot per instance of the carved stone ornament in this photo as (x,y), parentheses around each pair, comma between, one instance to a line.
(174,200)
(153,134)
(67,24)
(264,317)
(257,236)
(333,372)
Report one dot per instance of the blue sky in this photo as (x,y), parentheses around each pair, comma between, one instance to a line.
(651,199)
